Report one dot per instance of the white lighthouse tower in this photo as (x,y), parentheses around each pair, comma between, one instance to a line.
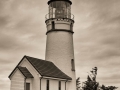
(57,71)
(59,46)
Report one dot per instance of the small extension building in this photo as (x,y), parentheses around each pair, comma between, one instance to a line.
(57,71)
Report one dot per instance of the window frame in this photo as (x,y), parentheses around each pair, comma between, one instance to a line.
(72,65)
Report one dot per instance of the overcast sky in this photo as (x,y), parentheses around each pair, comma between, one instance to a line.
(96,37)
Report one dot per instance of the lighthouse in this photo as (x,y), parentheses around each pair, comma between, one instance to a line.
(59,45)
(57,71)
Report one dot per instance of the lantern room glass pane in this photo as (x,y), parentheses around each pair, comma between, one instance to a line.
(50,11)
(59,9)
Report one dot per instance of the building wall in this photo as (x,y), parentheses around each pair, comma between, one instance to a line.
(36,80)
(53,84)
(59,49)
(63,85)
(17,81)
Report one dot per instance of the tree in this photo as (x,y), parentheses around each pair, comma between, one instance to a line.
(91,83)
(103,87)
(78,83)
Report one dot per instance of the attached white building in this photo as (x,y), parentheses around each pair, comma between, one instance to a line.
(36,74)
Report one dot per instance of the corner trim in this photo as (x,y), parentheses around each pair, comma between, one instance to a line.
(65,30)
(40,82)
(25,84)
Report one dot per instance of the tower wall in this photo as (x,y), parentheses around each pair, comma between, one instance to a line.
(65,24)
(59,50)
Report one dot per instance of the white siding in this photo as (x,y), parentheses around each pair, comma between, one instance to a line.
(62,85)
(35,82)
(53,84)
(68,85)
(17,81)
(43,84)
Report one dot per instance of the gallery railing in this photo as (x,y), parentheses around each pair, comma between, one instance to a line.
(59,16)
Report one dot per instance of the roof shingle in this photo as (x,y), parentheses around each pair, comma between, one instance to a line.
(47,68)
(25,72)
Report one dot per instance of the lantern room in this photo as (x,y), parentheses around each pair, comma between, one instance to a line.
(59,9)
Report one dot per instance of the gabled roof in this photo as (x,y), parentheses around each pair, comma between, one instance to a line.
(44,68)
(25,72)
(47,68)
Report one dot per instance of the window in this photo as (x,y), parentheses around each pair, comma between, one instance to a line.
(73,65)
(27,86)
(71,26)
(47,87)
(53,25)
(59,85)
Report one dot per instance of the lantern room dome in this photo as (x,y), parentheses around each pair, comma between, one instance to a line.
(59,0)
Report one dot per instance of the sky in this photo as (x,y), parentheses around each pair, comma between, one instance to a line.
(96,37)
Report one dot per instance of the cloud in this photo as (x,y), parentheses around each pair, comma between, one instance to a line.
(22,32)
(4,21)
(96,38)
